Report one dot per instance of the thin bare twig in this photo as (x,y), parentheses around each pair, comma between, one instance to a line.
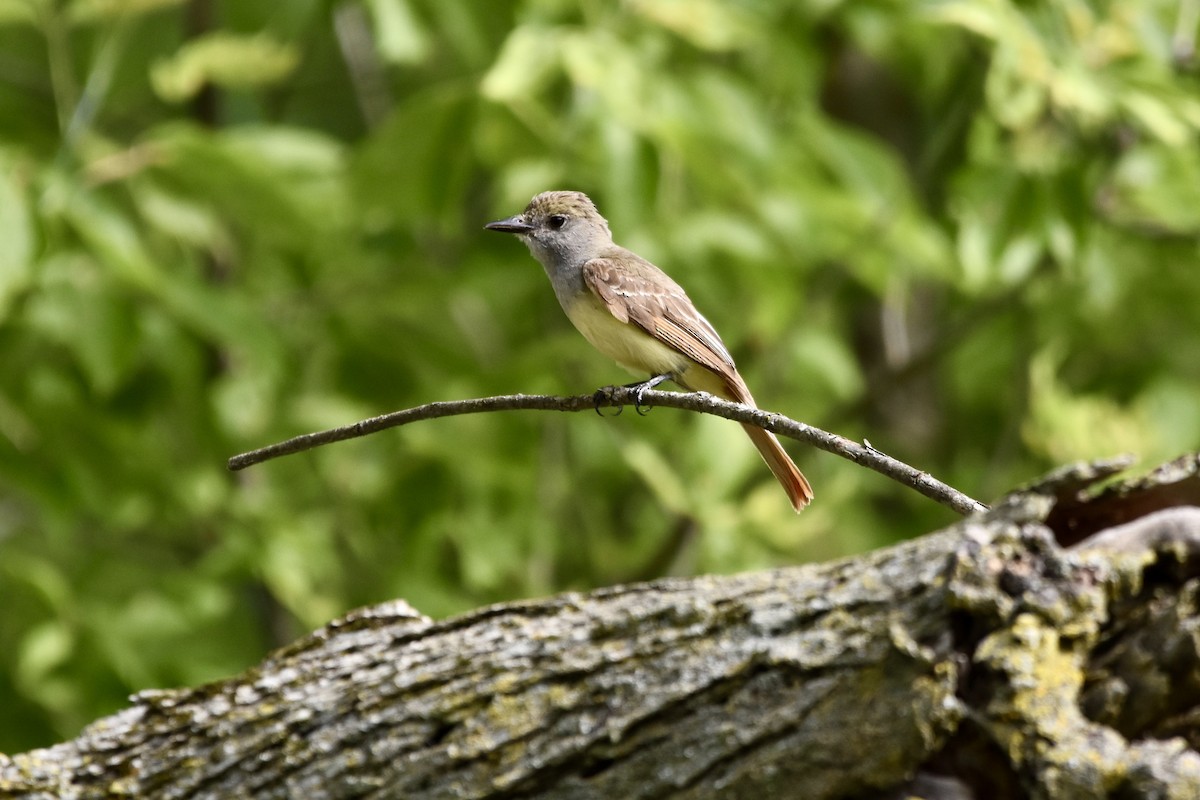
(618,396)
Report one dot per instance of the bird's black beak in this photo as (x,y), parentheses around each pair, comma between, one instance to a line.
(513,224)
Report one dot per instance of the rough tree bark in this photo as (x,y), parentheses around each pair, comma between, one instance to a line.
(984,660)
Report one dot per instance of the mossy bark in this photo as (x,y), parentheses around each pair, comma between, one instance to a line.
(984,660)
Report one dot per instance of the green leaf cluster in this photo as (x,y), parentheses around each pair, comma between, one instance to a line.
(966,230)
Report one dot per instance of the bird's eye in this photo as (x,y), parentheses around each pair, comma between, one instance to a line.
(556,221)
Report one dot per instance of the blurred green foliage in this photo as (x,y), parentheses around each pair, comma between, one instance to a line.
(966,230)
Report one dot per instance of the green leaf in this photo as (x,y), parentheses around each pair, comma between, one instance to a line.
(426,133)
(399,34)
(16,234)
(285,183)
(1064,426)
(1159,118)
(707,24)
(44,648)
(91,318)
(87,11)
(658,473)
(527,61)
(190,221)
(1157,187)
(830,358)
(18,12)
(230,60)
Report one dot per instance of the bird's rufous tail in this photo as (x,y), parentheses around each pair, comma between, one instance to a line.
(788,474)
(798,489)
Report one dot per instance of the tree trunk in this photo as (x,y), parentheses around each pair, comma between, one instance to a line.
(981,661)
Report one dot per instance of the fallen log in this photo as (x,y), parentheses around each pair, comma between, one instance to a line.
(984,660)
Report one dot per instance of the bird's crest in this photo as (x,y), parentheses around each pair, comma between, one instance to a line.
(567,203)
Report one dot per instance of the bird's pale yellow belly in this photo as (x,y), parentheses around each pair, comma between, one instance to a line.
(637,351)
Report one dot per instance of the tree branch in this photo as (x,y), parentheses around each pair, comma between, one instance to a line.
(618,397)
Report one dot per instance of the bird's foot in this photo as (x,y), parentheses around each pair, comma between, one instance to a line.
(604,395)
(640,389)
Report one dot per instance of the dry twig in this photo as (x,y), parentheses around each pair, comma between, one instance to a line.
(617,397)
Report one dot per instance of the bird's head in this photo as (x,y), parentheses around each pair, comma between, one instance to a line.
(560,227)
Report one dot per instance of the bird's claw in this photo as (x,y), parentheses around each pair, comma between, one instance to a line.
(638,391)
(604,394)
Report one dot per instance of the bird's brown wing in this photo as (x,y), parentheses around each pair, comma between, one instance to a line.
(638,292)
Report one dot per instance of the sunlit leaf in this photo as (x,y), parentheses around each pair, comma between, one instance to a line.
(44,648)
(180,217)
(91,10)
(527,60)
(709,24)
(16,12)
(1158,117)
(400,36)
(229,60)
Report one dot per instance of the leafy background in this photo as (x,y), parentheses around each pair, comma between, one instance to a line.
(966,230)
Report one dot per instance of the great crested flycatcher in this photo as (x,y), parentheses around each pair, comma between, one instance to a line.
(633,313)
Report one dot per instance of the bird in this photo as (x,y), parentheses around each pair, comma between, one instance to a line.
(634,313)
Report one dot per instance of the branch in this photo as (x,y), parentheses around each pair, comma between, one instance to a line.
(618,397)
